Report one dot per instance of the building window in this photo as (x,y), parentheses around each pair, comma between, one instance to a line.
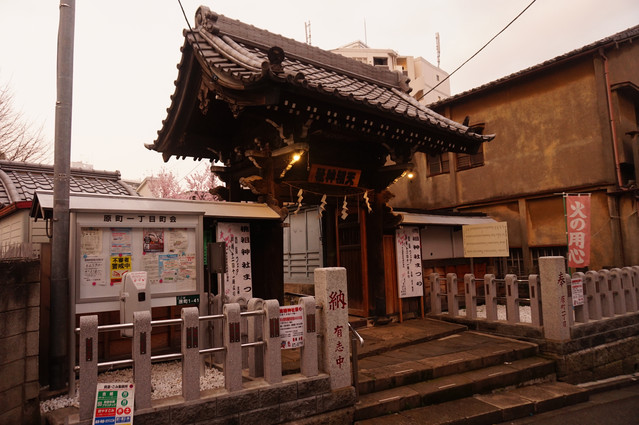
(380,61)
(514,264)
(547,251)
(466,161)
(438,164)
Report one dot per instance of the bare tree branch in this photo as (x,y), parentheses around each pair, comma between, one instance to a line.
(18,140)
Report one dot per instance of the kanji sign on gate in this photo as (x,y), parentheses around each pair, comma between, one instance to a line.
(578,229)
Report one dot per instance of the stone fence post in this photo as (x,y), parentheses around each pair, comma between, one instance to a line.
(451,289)
(471,296)
(141,353)
(490,291)
(88,365)
(190,353)
(332,296)
(554,293)
(435,292)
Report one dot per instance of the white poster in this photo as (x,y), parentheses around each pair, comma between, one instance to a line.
(577,286)
(409,262)
(92,270)
(237,279)
(292,326)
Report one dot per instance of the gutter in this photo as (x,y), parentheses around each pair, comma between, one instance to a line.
(611,117)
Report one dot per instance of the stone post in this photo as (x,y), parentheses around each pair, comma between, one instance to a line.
(534,289)
(233,344)
(470,293)
(332,296)
(308,352)
(605,291)
(592,296)
(435,293)
(628,288)
(554,292)
(451,289)
(273,342)
(256,354)
(618,294)
(512,295)
(88,365)
(490,289)
(190,353)
(141,353)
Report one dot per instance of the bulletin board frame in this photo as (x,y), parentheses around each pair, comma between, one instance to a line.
(107,244)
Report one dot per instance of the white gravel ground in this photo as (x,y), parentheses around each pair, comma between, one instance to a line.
(166,381)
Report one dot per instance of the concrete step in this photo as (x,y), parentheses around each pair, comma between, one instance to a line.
(452,387)
(454,354)
(486,409)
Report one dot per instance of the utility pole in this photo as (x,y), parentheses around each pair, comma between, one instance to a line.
(60,324)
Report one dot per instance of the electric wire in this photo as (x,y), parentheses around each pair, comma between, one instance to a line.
(477,52)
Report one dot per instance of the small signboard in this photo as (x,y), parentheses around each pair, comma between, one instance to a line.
(336,176)
(114,404)
(577,286)
(409,262)
(187,299)
(291,326)
(485,240)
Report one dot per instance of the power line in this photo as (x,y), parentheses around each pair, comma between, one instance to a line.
(477,52)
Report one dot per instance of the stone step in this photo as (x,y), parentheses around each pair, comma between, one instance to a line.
(458,353)
(451,387)
(486,409)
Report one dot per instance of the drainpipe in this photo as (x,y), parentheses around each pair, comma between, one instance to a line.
(611,117)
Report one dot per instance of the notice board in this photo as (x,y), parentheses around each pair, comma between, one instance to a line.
(108,245)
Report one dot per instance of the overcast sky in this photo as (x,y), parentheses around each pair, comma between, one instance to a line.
(126,53)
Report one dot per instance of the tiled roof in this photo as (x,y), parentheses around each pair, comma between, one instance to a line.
(19,181)
(629,34)
(239,55)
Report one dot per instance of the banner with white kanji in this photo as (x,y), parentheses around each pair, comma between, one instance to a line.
(578,227)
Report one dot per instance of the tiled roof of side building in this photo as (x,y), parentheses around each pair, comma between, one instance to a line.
(628,35)
(19,181)
(240,53)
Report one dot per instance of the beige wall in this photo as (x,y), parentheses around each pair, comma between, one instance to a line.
(553,135)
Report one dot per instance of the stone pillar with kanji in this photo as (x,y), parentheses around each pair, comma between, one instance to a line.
(554,293)
(332,297)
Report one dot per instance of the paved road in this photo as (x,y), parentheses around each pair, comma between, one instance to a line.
(618,407)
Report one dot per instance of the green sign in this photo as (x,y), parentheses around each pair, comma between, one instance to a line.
(187,299)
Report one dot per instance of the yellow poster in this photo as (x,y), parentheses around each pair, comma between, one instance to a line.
(120,264)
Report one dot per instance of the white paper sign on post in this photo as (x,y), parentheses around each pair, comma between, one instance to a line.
(237,279)
(292,326)
(409,262)
(577,286)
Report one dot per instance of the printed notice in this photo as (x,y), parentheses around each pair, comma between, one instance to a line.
(114,404)
(169,266)
(93,271)
(91,241)
(121,241)
(177,240)
(120,264)
(485,240)
(577,286)
(153,240)
(151,266)
(292,326)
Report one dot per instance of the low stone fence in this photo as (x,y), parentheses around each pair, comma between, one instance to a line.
(257,393)
(19,346)
(604,317)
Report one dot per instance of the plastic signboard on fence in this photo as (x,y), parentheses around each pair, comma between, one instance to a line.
(114,404)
